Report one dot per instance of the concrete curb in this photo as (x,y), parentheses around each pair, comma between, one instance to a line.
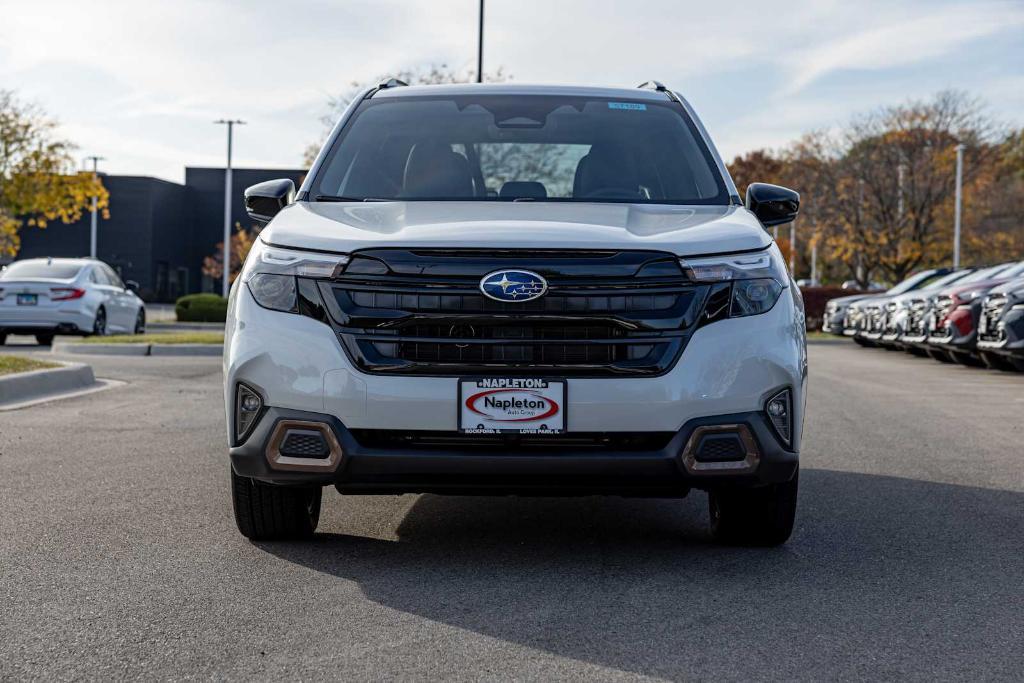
(186,349)
(138,349)
(100,349)
(35,384)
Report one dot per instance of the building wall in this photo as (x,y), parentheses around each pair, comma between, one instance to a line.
(206,188)
(158,232)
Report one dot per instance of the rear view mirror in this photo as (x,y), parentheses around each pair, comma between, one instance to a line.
(772,204)
(131,285)
(264,200)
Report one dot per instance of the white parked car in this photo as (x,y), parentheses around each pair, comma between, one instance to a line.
(516,289)
(75,296)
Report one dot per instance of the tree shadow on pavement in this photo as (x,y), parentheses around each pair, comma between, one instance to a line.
(883,577)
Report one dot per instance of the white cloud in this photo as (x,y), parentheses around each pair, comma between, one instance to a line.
(141,82)
(905,37)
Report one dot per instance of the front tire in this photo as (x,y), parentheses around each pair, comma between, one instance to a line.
(761,516)
(3,338)
(44,339)
(140,322)
(266,512)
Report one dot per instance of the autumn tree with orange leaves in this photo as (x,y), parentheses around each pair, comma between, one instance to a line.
(241,243)
(877,195)
(38,183)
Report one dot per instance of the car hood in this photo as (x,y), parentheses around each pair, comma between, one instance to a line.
(922,293)
(847,300)
(683,230)
(985,285)
(1011,286)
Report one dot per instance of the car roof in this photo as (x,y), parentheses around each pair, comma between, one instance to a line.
(520,89)
(57,260)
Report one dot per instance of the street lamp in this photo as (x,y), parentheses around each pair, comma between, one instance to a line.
(958,201)
(226,250)
(93,226)
(480,46)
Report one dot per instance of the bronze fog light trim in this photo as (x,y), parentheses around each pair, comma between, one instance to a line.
(751,459)
(278,461)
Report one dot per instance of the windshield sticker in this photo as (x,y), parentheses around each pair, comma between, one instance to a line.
(630,106)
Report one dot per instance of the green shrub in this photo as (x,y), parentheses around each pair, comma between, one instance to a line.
(201,308)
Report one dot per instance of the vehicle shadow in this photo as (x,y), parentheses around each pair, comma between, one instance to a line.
(883,577)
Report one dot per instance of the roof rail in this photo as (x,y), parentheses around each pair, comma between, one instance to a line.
(660,87)
(391,83)
(384,85)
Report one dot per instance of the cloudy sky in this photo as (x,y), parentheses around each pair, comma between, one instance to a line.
(140,81)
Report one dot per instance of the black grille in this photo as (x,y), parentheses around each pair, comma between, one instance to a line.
(991,314)
(610,312)
(875,319)
(917,321)
(942,308)
(303,444)
(720,448)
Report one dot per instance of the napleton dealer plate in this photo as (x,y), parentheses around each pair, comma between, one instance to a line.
(491,405)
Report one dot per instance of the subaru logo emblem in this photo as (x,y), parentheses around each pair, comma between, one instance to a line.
(513,285)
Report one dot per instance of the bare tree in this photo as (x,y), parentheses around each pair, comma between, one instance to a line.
(434,74)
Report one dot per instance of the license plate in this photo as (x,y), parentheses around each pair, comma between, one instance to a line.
(983,324)
(495,405)
(28,299)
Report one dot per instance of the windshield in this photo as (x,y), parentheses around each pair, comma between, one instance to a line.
(949,278)
(1013,271)
(985,273)
(914,282)
(521,147)
(43,270)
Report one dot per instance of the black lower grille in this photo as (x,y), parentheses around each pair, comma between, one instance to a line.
(304,444)
(720,448)
(437,440)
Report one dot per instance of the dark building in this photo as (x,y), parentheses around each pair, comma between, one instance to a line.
(158,232)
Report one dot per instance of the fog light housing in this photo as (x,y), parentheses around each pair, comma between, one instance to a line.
(779,409)
(248,406)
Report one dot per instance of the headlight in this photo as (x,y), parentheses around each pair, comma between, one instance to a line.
(757,279)
(270,273)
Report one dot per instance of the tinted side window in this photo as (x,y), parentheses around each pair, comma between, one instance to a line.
(112,277)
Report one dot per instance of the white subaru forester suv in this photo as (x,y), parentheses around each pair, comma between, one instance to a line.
(508,289)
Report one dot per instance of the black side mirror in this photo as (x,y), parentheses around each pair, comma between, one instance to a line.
(132,285)
(772,204)
(264,200)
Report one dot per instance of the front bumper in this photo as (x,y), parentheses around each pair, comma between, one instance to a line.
(1012,341)
(563,470)
(297,364)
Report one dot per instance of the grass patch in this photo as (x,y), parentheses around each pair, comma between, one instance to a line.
(168,338)
(12,364)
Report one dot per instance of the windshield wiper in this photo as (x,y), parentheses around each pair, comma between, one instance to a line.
(336,198)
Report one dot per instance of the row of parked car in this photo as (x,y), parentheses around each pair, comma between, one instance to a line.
(973,316)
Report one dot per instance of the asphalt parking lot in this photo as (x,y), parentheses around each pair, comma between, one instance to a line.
(119,557)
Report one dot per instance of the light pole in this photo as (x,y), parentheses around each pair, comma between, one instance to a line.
(226,250)
(814,261)
(792,249)
(958,201)
(480,46)
(93,225)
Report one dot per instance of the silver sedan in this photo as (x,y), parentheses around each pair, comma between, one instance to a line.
(50,296)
